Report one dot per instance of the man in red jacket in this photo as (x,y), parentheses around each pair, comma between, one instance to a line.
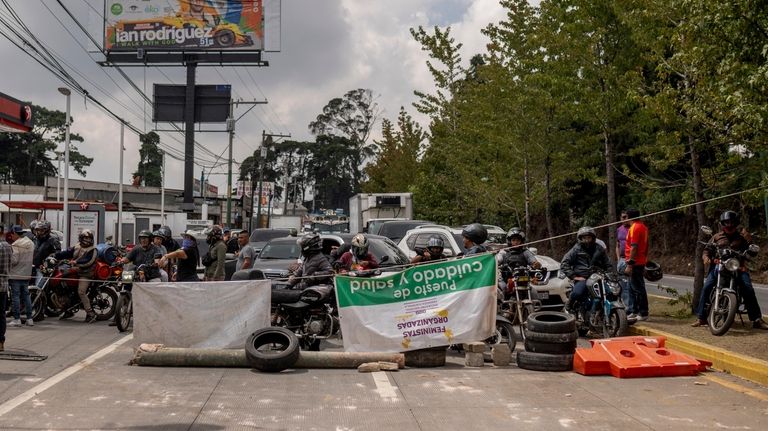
(636,253)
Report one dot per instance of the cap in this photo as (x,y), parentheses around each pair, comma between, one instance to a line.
(17,229)
(226,230)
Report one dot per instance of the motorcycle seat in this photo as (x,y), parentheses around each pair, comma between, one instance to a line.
(285,296)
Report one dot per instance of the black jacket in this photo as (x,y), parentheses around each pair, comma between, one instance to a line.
(579,261)
(314,265)
(44,248)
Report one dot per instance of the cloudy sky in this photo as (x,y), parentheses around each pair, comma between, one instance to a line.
(328,47)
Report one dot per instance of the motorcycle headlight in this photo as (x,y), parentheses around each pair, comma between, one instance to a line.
(732,264)
(127,276)
(615,288)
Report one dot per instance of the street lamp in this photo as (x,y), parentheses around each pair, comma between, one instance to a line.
(65,91)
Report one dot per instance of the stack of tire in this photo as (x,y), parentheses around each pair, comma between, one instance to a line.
(550,342)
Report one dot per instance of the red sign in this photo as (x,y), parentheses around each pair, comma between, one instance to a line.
(15,115)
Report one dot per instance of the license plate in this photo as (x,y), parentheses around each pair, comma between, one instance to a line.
(543,295)
(522,279)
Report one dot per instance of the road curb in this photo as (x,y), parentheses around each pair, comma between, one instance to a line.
(746,367)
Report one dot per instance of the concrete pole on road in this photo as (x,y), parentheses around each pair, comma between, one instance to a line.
(65,91)
(120,189)
(162,191)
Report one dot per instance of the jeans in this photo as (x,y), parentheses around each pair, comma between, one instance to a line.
(626,294)
(706,291)
(20,292)
(637,291)
(579,292)
(3,296)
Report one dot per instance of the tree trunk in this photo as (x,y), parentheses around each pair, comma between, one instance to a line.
(527,187)
(610,179)
(548,203)
(698,194)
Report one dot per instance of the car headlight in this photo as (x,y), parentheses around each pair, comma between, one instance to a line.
(127,277)
(732,264)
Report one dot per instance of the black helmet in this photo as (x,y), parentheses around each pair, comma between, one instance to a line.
(310,243)
(165,232)
(584,231)
(731,216)
(85,238)
(475,232)
(42,228)
(145,234)
(435,241)
(515,232)
(653,271)
(157,234)
(214,233)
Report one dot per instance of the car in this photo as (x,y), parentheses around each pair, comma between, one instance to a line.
(396,229)
(552,291)
(261,236)
(279,254)
(373,225)
(417,238)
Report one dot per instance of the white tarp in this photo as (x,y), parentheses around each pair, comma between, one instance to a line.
(218,314)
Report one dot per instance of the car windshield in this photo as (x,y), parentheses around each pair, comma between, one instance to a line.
(374,226)
(381,247)
(264,235)
(280,250)
(499,238)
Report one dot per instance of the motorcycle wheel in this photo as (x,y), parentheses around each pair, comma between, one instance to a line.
(505,333)
(124,310)
(617,323)
(38,305)
(721,318)
(103,302)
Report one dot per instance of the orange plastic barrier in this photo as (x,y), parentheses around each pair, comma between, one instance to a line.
(636,356)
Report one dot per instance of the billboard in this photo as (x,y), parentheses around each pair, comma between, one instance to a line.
(183,25)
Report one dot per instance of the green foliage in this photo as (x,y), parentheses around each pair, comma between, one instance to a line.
(150,160)
(398,154)
(684,301)
(28,157)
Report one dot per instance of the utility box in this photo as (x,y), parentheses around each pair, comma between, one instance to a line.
(365,207)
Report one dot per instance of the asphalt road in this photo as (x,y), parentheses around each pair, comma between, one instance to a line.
(86,384)
(685,284)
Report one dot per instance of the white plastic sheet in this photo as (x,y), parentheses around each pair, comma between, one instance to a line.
(204,315)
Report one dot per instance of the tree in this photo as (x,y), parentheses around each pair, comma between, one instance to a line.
(150,160)
(399,153)
(27,157)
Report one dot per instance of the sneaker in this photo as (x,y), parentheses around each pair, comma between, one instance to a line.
(15,323)
(759,324)
(30,322)
(631,316)
(90,317)
(642,318)
(699,323)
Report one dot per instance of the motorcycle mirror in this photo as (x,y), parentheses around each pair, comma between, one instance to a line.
(707,230)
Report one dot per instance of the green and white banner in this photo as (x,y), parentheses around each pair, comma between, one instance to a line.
(424,306)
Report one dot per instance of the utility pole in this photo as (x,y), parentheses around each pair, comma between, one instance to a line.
(231,128)
(162,192)
(264,136)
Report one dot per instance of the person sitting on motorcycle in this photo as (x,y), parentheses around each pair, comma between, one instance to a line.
(83,257)
(157,240)
(45,245)
(516,255)
(730,237)
(474,236)
(358,257)
(314,263)
(145,254)
(433,251)
(578,263)
(168,241)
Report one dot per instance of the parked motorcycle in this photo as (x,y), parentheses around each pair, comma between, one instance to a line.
(61,296)
(124,306)
(516,298)
(311,313)
(602,312)
(726,300)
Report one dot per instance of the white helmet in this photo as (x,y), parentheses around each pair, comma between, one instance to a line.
(359,245)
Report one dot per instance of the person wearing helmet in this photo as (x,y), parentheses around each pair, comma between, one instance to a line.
(314,264)
(168,242)
(83,257)
(145,254)
(515,255)
(157,240)
(45,245)
(730,237)
(433,251)
(577,264)
(188,256)
(217,253)
(636,255)
(474,236)
(358,257)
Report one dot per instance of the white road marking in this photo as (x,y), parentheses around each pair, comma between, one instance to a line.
(48,383)
(383,386)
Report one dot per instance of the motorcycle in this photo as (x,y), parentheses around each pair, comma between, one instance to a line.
(516,300)
(124,305)
(60,291)
(726,300)
(310,313)
(602,312)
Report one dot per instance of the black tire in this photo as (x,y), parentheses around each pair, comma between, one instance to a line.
(543,337)
(505,333)
(551,322)
(39,303)
(721,317)
(544,362)
(272,349)
(550,348)
(124,311)
(103,302)
(617,323)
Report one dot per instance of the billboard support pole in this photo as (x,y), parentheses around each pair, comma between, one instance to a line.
(231,128)
(189,138)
